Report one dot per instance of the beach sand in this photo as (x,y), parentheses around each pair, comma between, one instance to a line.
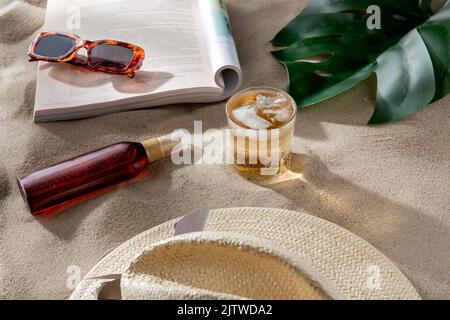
(389,184)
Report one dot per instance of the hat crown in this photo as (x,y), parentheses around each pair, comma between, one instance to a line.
(222,265)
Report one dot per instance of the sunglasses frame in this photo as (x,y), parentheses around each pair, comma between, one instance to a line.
(71,56)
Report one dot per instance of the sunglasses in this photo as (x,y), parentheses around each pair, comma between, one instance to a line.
(105,55)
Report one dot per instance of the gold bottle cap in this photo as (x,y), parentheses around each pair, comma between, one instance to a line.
(159,148)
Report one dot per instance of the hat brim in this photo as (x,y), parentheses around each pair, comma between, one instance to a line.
(355,267)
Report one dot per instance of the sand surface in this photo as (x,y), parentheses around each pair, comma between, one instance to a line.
(388,184)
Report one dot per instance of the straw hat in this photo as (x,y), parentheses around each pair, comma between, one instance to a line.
(245,253)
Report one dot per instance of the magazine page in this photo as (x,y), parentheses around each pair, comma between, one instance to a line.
(221,45)
(170,31)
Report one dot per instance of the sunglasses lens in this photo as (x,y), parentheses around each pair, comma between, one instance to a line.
(54,46)
(113,57)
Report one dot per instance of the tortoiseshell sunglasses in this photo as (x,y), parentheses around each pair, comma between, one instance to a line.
(104,55)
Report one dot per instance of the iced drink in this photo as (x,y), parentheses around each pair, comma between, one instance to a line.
(262,122)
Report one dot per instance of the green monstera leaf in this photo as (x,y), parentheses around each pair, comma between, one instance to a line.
(330,47)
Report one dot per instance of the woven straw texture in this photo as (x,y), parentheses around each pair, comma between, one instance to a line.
(217,265)
(342,258)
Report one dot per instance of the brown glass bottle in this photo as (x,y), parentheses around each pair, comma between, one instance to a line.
(82,177)
(79,177)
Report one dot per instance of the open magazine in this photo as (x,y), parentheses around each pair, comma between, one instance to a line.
(190,56)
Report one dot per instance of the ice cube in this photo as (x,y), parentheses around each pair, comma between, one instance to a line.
(282,115)
(273,108)
(248,116)
(265,101)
